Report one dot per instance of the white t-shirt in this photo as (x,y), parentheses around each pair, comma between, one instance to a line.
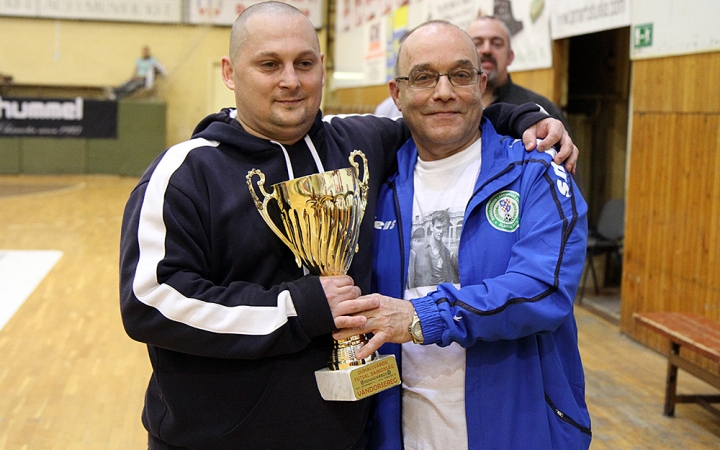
(433,388)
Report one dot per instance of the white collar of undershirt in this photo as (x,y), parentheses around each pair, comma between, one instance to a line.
(463,158)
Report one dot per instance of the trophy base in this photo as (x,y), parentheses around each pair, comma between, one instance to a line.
(355,383)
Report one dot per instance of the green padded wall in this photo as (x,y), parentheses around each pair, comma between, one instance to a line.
(140,138)
(9,155)
(52,156)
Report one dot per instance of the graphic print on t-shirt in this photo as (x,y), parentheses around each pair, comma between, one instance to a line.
(434,248)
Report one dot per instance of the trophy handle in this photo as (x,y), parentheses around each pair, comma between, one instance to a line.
(262,209)
(366,174)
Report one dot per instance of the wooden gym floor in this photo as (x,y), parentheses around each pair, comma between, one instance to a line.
(70,378)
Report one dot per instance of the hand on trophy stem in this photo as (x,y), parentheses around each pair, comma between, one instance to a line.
(388,321)
(338,290)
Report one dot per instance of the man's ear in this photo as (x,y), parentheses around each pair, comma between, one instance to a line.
(322,65)
(511,57)
(483,81)
(395,93)
(227,73)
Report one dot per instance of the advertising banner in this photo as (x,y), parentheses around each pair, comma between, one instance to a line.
(224,12)
(573,18)
(159,11)
(58,118)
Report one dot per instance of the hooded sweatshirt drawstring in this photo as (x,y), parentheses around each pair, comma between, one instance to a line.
(291,174)
(313,152)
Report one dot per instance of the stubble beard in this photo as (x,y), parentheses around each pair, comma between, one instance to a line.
(291,117)
(492,79)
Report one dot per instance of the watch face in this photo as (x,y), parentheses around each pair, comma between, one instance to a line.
(417,331)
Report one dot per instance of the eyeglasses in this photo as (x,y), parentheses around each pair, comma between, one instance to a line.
(426,79)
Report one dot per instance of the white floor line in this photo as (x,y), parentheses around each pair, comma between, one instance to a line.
(21,271)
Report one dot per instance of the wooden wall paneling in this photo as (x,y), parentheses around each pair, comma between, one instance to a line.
(645,81)
(687,83)
(712,271)
(672,187)
(561,61)
(637,220)
(541,81)
(703,174)
(617,156)
(640,215)
(671,243)
(660,193)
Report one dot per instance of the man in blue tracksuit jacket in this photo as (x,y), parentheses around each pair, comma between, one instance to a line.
(524,379)
(508,325)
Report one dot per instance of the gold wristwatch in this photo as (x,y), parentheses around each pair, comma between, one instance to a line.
(416,330)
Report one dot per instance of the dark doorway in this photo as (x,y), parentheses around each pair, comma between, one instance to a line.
(598,104)
(597,110)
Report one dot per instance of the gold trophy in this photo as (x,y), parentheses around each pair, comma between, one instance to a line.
(318,217)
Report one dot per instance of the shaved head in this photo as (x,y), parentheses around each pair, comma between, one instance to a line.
(444,119)
(239,35)
(436,22)
(276,69)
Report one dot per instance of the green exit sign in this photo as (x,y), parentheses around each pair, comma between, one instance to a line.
(643,35)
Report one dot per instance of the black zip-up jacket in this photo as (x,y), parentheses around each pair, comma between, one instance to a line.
(234,330)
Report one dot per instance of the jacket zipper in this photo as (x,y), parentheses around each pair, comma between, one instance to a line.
(565,418)
(398,214)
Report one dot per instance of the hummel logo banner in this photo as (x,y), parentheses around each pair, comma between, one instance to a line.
(77,118)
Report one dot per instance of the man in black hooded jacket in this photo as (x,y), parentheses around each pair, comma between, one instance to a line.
(234,329)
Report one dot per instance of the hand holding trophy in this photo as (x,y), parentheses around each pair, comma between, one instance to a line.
(319,220)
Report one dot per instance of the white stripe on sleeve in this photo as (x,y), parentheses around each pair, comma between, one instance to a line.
(250,320)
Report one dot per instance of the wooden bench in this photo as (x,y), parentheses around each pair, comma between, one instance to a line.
(694,333)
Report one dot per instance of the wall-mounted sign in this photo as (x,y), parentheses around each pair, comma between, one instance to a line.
(159,11)
(642,35)
(573,18)
(669,27)
(224,12)
(57,118)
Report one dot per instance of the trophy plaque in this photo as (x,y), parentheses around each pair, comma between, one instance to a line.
(318,217)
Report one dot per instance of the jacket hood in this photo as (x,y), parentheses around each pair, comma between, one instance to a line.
(223,127)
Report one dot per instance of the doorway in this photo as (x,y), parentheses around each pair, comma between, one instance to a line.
(597,110)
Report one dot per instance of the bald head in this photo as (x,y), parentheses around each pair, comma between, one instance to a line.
(431,23)
(239,31)
(443,118)
(276,69)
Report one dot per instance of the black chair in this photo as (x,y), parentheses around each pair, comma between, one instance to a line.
(606,238)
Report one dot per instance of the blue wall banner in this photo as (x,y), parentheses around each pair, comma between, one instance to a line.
(46,117)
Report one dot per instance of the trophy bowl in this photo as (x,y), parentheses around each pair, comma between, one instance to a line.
(317,216)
